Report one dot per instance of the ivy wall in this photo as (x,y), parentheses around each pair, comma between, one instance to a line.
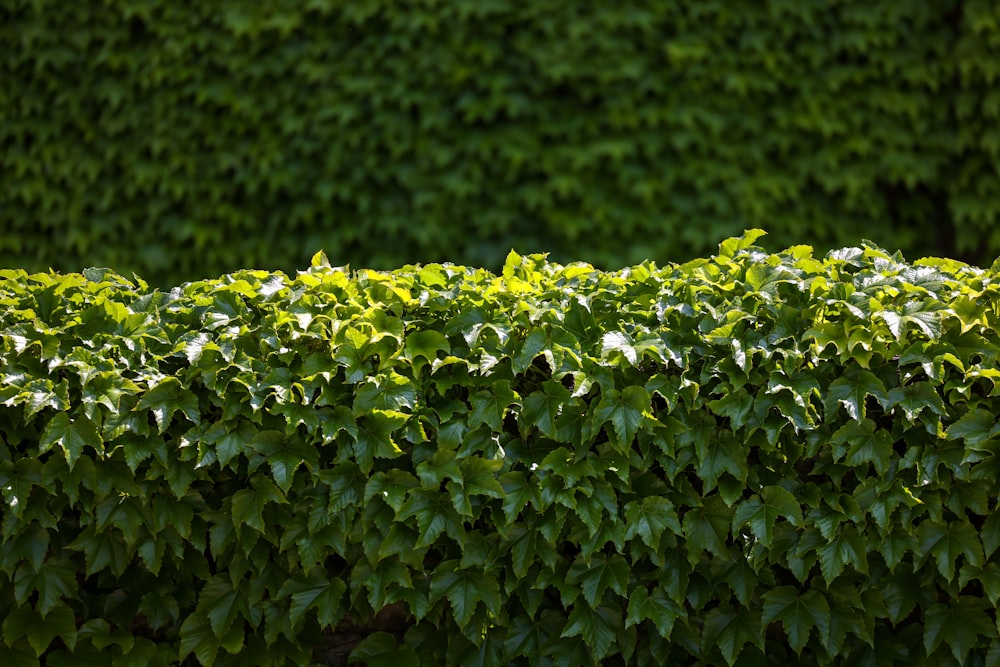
(181,140)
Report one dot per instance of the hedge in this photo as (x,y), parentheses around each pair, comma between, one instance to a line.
(747,459)
(184,140)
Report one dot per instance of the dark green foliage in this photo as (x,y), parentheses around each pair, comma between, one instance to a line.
(181,140)
(748,455)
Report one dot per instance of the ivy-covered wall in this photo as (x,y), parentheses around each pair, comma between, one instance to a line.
(182,140)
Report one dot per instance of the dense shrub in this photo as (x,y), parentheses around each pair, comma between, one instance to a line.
(748,459)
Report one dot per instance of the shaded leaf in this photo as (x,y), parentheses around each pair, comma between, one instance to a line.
(761,511)
(596,577)
(657,607)
(649,519)
(166,398)
(624,410)
(72,436)
(465,589)
(797,613)
(959,625)
(379,649)
(731,631)
(852,390)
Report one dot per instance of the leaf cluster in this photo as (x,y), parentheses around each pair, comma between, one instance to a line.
(747,459)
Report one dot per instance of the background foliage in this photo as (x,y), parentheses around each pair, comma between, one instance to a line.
(750,459)
(182,140)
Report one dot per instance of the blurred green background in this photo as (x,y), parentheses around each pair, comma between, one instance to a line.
(183,140)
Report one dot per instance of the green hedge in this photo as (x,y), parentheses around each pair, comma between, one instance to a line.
(181,140)
(749,459)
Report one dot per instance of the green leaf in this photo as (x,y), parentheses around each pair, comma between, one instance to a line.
(42,393)
(720,454)
(490,406)
(863,442)
(31,545)
(536,342)
(319,261)
(102,550)
(764,278)
(345,483)
(284,454)
(649,519)
(946,542)
(441,466)
(760,512)
(166,398)
(658,608)
(527,636)
(960,625)
(735,405)
(596,627)
(741,578)
(221,603)
(990,533)
(541,408)
(518,492)
(477,477)
(53,582)
(974,428)
(625,410)
(351,353)
(915,398)
(464,589)
(375,437)
(379,649)
(391,486)
(18,656)
(126,513)
(72,436)
(230,441)
(988,576)
(62,622)
(387,580)
(528,547)
(435,515)
(616,341)
(40,631)
(386,391)
(846,548)
(707,528)
(731,631)
(197,637)
(16,481)
(314,592)
(731,246)
(797,613)
(248,504)
(851,390)
(901,593)
(914,312)
(601,573)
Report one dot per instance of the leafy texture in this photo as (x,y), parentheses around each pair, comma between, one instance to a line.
(436,131)
(750,458)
